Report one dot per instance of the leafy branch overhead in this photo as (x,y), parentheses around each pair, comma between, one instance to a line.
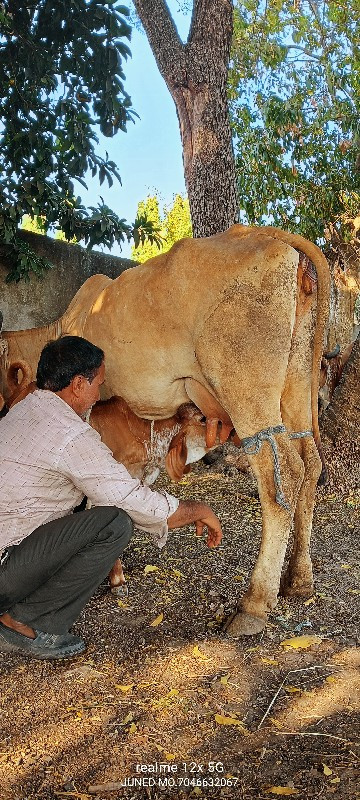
(61,75)
(294,92)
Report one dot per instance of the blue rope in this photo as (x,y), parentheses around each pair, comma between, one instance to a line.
(252,446)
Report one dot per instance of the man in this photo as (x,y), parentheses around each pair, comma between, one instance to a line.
(52,560)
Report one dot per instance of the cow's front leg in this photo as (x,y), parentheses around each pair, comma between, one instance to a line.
(298,578)
(261,597)
(117,580)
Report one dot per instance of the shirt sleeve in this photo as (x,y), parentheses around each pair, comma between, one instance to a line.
(90,465)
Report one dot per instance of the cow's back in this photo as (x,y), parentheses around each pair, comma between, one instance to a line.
(148,321)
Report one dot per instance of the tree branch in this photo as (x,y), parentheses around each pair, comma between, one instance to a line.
(214,16)
(163,37)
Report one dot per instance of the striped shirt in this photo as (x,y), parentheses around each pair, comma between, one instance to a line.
(50,458)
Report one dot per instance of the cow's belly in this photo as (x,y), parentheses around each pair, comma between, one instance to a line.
(148,372)
(150,398)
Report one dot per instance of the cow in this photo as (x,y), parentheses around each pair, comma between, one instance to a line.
(234,323)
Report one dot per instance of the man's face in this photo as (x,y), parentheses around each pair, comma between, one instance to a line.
(87,394)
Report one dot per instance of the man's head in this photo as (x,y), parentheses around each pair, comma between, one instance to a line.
(74,369)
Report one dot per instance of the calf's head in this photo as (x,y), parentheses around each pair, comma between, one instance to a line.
(196,436)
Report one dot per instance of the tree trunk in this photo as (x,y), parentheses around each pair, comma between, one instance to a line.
(344,262)
(196,76)
(340,427)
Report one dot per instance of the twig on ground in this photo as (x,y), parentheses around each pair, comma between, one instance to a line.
(291,672)
(80,795)
(113,786)
(273,701)
(300,733)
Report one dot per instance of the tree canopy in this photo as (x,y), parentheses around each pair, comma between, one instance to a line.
(174,224)
(294,90)
(61,75)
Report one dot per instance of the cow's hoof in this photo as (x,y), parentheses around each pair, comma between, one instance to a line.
(242,624)
(296,587)
(120,591)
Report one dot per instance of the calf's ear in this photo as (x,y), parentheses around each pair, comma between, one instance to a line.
(175,460)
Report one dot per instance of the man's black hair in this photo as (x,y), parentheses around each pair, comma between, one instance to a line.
(64,358)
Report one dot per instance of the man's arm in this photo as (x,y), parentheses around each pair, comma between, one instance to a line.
(190,511)
(92,468)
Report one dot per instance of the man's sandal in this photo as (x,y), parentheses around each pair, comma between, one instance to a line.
(45,645)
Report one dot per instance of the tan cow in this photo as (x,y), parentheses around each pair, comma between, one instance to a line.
(234,323)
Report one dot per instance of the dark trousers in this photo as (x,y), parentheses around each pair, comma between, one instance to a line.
(47,578)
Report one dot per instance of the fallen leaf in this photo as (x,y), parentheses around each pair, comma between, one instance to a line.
(173,693)
(300,642)
(291,689)
(121,604)
(276,723)
(178,573)
(221,720)
(354,591)
(165,701)
(133,728)
(345,566)
(157,621)
(198,654)
(282,790)
(128,718)
(123,688)
(269,661)
(224,680)
(331,679)
(327,770)
(150,568)
(335,780)
(168,756)
(310,601)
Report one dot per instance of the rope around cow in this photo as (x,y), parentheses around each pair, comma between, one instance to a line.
(252,445)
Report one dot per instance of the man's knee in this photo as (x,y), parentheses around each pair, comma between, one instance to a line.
(116,525)
(125,525)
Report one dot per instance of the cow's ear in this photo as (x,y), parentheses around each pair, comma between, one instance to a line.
(175,460)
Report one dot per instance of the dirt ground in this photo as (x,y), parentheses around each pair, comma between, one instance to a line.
(163,705)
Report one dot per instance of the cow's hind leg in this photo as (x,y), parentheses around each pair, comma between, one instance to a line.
(298,578)
(261,596)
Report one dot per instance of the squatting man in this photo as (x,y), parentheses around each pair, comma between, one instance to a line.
(53,560)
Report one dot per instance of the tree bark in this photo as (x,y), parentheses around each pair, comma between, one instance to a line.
(340,427)
(195,73)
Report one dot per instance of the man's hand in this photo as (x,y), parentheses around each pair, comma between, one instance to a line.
(191,511)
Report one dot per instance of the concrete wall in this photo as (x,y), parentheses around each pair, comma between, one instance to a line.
(28,305)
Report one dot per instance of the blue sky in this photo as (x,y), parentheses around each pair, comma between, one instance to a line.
(149,155)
